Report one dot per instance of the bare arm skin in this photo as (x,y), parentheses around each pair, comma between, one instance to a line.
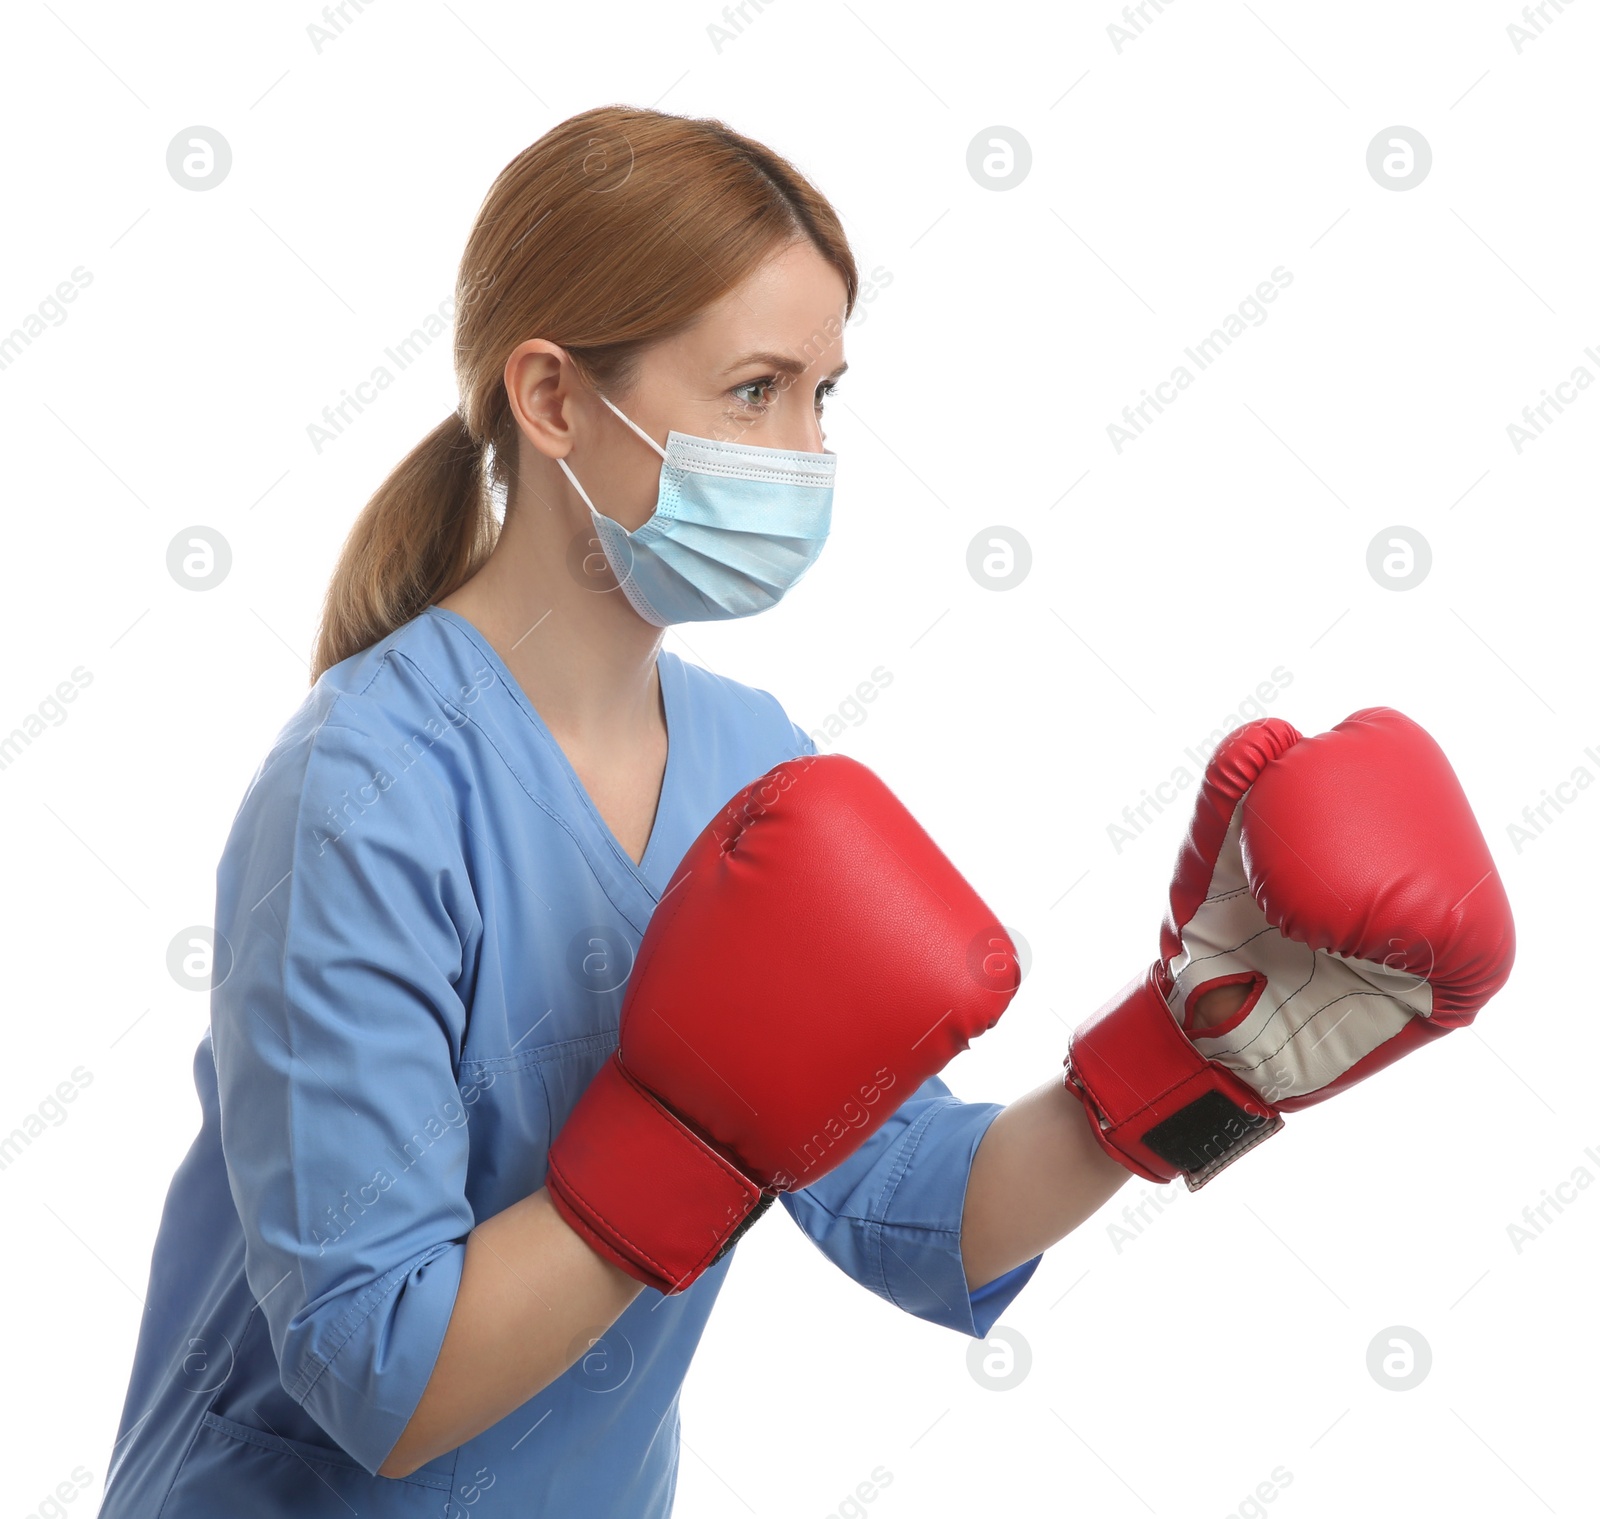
(1037,1175)
(532,1294)
(1040,1172)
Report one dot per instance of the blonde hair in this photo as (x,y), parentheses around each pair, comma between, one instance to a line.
(613,231)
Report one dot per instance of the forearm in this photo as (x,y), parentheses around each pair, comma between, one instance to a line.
(1037,1175)
(1039,1172)
(531,1292)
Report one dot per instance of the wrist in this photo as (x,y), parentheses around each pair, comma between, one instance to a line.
(1155,1103)
(642,1189)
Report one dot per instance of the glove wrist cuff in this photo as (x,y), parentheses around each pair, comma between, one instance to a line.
(642,1188)
(1155,1103)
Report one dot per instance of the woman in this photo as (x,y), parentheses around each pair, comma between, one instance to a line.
(361,1294)
(362,1298)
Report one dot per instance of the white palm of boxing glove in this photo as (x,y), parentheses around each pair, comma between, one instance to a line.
(1310,1015)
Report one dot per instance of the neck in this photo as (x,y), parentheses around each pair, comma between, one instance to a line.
(585,658)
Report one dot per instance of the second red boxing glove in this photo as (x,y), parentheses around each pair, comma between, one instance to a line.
(1343,884)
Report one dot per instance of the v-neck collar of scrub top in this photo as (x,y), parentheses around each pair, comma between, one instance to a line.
(673,696)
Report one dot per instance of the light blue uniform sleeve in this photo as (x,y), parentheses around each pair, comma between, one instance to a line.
(890,1215)
(335,1032)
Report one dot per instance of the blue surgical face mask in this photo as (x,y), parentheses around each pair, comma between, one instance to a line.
(734,528)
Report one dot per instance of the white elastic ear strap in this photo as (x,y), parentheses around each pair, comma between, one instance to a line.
(580,490)
(574,479)
(642,433)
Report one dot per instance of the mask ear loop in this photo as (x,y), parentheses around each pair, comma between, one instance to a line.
(593,510)
(642,433)
(573,480)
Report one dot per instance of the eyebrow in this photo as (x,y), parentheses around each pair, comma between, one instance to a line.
(782,363)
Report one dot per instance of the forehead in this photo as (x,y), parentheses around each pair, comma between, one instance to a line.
(790,306)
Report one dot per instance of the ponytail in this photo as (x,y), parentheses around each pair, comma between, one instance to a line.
(425,531)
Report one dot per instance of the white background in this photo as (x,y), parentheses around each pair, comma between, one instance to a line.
(1229,1338)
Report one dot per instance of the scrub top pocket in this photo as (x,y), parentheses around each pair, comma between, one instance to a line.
(265,1477)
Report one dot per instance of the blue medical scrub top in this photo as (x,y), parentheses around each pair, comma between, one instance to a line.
(423,933)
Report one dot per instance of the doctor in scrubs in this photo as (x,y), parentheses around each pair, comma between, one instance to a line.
(361,1299)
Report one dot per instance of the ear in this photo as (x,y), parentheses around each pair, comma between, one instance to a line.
(542,387)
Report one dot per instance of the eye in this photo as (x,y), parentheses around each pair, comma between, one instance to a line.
(824,390)
(765,383)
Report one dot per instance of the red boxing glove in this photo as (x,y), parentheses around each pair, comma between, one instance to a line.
(814,959)
(1342,880)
